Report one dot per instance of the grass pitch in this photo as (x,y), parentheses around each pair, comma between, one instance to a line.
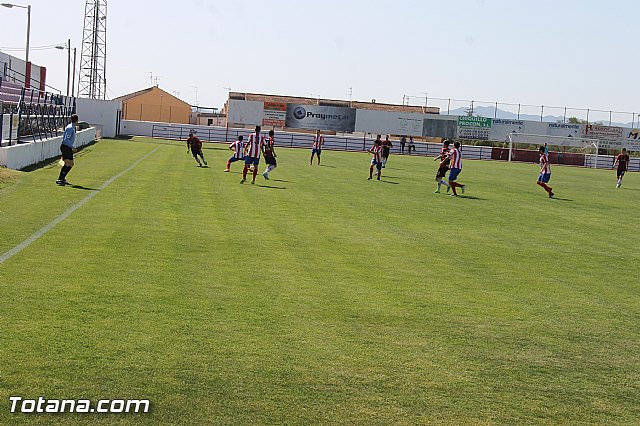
(319,296)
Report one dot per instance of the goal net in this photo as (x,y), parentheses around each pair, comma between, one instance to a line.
(563,146)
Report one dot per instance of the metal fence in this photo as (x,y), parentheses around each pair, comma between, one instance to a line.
(360,144)
(543,113)
(305,140)
(40,115)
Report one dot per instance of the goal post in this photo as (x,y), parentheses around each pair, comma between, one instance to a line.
(554,143)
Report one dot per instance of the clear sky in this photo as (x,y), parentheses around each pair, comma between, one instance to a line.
(578,53)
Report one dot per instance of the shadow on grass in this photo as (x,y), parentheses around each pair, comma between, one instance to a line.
(562,199)
(471,197)
(84,188)
(280,180)
(329,167)
(389,182)
(271,187)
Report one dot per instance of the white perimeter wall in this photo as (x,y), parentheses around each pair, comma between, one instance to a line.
(140,128)
(100,113)
(18,157)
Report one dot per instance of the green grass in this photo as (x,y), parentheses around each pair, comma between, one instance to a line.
(7,177)
(319,296)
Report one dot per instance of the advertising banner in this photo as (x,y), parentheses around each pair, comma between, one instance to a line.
(408,125)
(439,128)
(314,117)
(245,112)
(595,131)
(564,129)
(9,125)
(389,122)
(275,114)
(474,128)
(501,128)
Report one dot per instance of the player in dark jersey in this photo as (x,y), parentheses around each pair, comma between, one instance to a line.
(622,163)
(195,146)
(444,166)
(269,154)
(386,150)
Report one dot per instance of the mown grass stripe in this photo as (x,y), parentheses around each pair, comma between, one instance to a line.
(26,243)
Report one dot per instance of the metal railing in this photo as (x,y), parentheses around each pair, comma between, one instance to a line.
(40,115)
(10,75)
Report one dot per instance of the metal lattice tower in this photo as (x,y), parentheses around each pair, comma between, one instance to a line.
(92,82)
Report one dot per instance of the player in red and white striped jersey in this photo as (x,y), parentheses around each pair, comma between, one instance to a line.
(545,171)
(269,153)
(238,152)
(456,167)
(316,148)
(252,149)
(376,161)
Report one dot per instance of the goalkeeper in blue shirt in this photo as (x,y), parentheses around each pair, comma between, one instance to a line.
(67,149)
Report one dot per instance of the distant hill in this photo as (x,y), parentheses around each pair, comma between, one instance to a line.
(490,112)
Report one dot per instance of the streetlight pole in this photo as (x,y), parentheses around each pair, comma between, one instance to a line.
(28,7)
(73,78)
(68,48)
(28,30)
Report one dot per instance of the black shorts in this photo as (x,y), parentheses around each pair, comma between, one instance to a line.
(196,152)
(442,172)
(67,152)
(270,160)
(620,173)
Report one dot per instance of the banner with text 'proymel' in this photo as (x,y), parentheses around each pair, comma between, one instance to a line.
(314,117)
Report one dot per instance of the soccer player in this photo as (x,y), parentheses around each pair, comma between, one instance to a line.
(456,168)
(253,150)
(195,146)
(386,149)
(238,152)
(403,142)
(622,161)
(444,166)
(545,171)
(269,154)
(376,161)
(67,149)
(316,148)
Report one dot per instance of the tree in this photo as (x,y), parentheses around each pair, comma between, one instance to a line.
(575,120)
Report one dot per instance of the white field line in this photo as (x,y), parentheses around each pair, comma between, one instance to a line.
(26,243)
